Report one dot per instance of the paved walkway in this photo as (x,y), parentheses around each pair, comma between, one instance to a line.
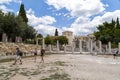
(63,67)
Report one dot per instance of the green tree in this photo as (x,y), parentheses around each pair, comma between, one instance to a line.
(1,21)
(56,32)
(48,40)
(108,32)
(14,26)
(117,23)
(62,40)
(22,13)
(29,33)
(39,35)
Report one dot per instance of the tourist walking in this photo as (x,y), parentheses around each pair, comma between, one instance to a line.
(18,56)
(42,55)
(35,54)
(115,53)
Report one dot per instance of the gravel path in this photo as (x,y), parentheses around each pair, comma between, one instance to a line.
(63,67)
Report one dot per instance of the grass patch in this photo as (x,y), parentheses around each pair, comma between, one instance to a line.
(27,73)
(5,74)
(35,73)
(14,70)
(7,60)
(53,69)
(12,59)
(57,76)
(30,73)
(60,63)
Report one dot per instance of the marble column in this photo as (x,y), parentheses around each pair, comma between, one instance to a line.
(64,48)
(91,46)
(109,46)
(80,45)
(106,48)
(57,46)
(50,48)
(100,47)
(43,44)
(73,46)
(94,45)
(119,46)
(36,41)
(88,45)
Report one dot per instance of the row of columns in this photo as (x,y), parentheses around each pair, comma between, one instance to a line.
(89,46)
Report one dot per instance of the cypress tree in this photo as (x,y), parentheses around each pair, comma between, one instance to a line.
(117,23)
(22,13)
(56,32)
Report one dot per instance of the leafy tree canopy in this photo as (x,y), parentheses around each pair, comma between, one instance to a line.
(108,31)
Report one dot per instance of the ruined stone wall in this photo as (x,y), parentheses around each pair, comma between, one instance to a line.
(10,48)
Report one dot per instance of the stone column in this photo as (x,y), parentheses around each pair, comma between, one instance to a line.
(43,44)
(119,46)
(88,45)
(73,46)
(64,48)
(94,46)
(109,45)
(106,49)
(57,46)
(100,47)
(36,41)
(91,46)
(50,48)
(80,46)
(4,37)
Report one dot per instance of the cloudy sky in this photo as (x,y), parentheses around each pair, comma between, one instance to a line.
(79,16)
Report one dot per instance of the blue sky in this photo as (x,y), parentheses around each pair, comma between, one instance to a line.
(79,16)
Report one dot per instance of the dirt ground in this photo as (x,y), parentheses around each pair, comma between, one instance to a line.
(63,67)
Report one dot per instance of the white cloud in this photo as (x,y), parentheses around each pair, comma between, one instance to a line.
(17,1)
(8,1)
(81,26)
(5,9)
(46,20)
(84,25)
(83,10)
(41,24)
(108,15)
(30,11)
(79,7)
(5,1)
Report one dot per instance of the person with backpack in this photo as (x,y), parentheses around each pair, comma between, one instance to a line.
(115,53)
(18,56)
(42,55)
(35,53)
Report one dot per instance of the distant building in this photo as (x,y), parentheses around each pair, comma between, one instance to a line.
(69,35)
(85,38)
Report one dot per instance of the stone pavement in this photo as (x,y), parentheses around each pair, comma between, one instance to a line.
(63,67)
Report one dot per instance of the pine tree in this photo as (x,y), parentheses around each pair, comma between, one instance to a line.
(117,23)
(56,32)
(22,13)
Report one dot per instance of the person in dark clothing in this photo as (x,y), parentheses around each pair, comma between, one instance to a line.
(35,53)
(115,53)
(18,56)
(42,55)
